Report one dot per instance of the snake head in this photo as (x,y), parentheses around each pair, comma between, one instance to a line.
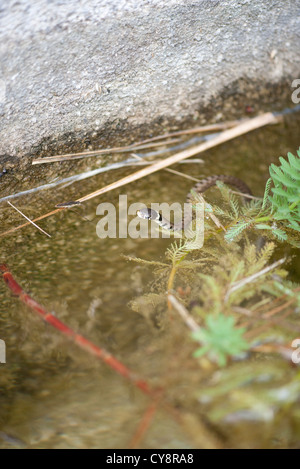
(147,214)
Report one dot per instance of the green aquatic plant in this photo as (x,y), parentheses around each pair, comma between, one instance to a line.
(232,281)
(286,193)
(278,215)
(220,339)
(236,302)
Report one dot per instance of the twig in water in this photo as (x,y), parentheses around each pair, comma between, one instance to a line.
(284,350)
(88,174)
(245,127)
(30,221)
(274,311)
(236,285)
(88,154)
(138,145)
(247,196)
(183,312)
(145,423)
(178,173)
(211,215)
(78,339)
(195,130)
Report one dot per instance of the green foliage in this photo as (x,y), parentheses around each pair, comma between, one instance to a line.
(278,216)
(238,301)
(286,193)
(177,252)
(280,234)
(266,194)
(236,230)
(220,339)
(288,288)
(229,276)
(231,268)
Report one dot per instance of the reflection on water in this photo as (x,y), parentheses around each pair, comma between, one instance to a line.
(52,394)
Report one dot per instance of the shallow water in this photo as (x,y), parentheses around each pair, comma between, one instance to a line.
(54,395)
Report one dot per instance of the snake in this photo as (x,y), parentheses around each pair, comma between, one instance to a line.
(200,188)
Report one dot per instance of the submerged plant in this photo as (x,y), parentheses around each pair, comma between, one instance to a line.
(233,287)
(220,339)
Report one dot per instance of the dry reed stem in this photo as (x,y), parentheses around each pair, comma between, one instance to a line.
(138,145)
(227,135)
(183,312)
(241,129)
(30,221)
(89,154)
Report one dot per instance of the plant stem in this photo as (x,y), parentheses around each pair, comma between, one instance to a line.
(171,278)
(294,204)
(267,218)
(78,339)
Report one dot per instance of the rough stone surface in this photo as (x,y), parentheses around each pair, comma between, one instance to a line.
(80,66)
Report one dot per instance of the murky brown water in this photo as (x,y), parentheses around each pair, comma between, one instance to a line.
(54,395)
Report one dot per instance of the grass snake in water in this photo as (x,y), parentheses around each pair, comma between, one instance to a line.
(200,187)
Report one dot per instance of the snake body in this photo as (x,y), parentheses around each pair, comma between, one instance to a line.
(200,187)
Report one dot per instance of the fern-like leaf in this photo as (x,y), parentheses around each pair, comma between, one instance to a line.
(266,194)
(286,193)
(280,234)
(236,230)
